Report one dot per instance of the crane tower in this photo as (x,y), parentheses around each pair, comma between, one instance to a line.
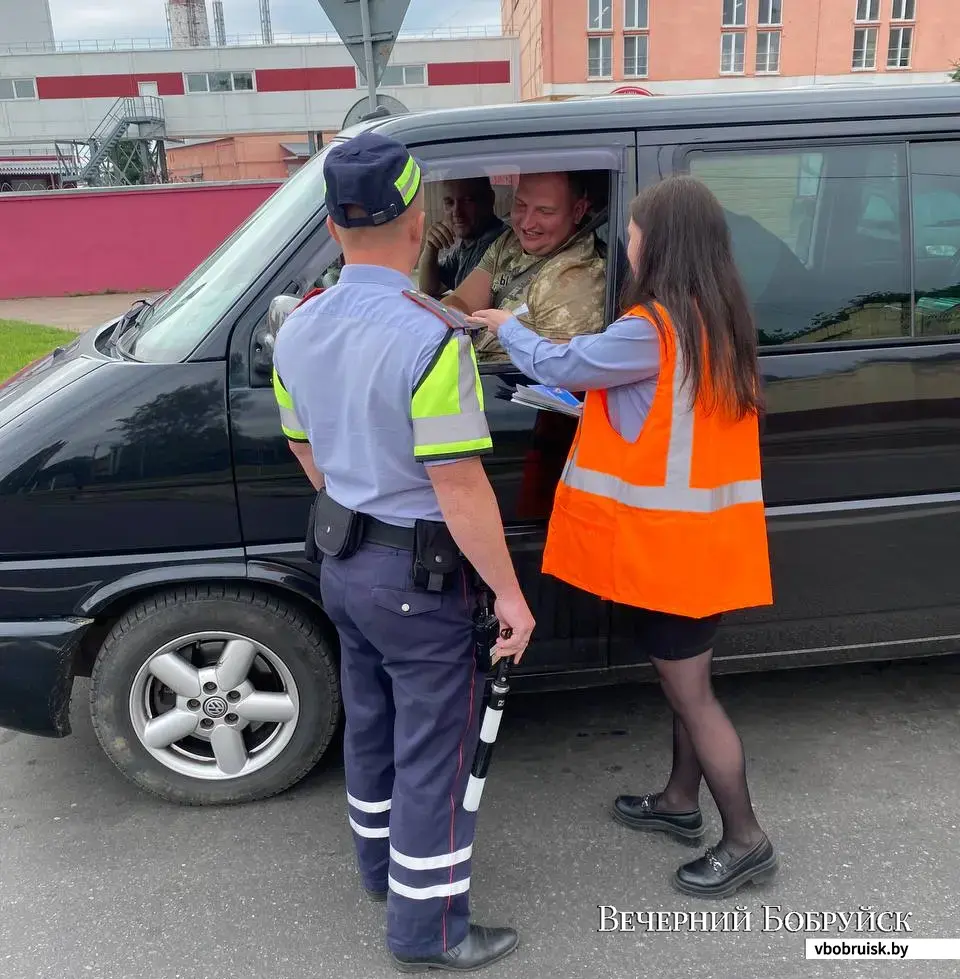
(266,27)
(219,25)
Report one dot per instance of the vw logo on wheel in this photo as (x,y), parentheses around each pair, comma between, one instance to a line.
(215,707)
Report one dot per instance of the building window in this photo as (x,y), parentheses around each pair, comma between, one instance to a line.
(599,15)
(901,43)
(636,15)
(635,55)
(398,76)
(600,57)
(734,13)
(768,52)
(732,48)
(868,11)
(219,81)
(771,13)
(864,48)
(17,88)
(904,10)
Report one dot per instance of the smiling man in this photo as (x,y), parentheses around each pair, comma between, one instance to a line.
(468,228)
(544,270)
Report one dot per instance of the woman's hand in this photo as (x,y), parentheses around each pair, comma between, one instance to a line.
(492,319)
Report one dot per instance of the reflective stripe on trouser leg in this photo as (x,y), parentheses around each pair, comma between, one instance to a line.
(437,693)
(368,732)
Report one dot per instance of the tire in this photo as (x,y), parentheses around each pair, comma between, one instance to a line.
(270,729)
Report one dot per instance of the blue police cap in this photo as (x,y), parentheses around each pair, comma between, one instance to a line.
(372,172)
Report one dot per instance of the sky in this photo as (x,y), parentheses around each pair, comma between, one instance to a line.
(110,19)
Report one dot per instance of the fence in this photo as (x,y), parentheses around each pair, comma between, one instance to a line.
(88,45)
(131,239)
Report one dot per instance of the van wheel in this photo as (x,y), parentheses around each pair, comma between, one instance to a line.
(209,694)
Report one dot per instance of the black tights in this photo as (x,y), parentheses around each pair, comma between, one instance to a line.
(706,744)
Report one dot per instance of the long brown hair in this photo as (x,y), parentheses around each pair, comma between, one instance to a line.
(686,264)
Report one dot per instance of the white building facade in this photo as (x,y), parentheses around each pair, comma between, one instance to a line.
(215,91)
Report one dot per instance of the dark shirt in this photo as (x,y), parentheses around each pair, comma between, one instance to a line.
(465,257)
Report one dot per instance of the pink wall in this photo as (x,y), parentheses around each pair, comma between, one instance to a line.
(142,239)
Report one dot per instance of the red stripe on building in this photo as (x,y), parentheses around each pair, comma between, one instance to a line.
(105,86)
(267,80)
(468,73)
(305,79)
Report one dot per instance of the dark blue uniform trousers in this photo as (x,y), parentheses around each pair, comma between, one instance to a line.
(412,698)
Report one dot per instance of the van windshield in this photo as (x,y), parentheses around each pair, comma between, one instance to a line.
(171,330)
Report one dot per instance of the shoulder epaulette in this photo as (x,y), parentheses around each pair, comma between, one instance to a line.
(452,317)
(310,295)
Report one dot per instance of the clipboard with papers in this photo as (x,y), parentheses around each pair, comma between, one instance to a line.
(547,399)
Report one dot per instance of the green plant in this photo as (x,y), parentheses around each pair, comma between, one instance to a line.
(21,343)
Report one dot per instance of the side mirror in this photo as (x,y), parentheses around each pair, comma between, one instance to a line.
(280,308)
(265,336)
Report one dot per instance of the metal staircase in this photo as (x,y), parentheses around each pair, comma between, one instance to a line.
(126,149)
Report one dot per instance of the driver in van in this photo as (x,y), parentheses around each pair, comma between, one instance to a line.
(467,230)
(548,270)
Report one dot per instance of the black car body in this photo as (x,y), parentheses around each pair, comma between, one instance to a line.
(148,496)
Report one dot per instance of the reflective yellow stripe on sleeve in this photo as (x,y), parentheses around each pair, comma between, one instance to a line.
(447,406)
(288,417)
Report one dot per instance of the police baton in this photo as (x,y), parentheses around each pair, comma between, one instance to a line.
(491,724)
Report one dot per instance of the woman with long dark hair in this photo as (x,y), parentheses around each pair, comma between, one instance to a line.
(660,506)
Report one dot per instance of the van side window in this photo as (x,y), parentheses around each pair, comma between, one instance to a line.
(473,206)
(935,182)
(821,238)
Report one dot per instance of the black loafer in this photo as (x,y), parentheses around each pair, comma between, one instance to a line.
(481,947)
(718,874)
(379,897)
(640,812)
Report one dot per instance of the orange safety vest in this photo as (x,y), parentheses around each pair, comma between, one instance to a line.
(673,522)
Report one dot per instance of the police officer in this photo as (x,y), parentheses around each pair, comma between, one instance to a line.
(382,403)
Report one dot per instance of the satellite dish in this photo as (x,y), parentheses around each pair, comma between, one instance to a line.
(387,105)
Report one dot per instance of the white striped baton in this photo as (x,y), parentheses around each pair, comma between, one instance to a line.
(488,733)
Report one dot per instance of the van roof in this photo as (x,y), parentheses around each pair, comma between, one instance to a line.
(796,105)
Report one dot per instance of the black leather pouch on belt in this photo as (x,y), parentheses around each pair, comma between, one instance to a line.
(435,555)
(337,532)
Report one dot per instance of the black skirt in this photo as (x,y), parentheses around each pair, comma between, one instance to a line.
(666,636)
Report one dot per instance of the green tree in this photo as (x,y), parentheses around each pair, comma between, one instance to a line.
(956,71)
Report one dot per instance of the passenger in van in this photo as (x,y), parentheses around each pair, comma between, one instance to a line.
(547,269)
(660,508)
(468,228)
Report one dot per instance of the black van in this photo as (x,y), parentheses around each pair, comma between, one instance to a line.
(152,516)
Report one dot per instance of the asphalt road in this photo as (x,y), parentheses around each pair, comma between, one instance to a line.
(855,773)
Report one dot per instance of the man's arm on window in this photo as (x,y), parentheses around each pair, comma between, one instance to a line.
(475,292)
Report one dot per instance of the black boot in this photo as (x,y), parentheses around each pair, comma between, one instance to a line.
(481,947)
(640,812)
(719,874)
(378,897)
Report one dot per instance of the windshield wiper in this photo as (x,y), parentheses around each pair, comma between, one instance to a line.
(125,321)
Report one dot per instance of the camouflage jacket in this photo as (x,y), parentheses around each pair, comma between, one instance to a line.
(566,297)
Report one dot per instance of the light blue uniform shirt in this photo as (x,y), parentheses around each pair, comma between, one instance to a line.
(624,359)
(351,361)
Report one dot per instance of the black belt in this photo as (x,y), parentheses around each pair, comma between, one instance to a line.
(388,535)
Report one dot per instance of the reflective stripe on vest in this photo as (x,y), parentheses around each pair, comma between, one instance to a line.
(676,494)
(447,405)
